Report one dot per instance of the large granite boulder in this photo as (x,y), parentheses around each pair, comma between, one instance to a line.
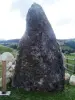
(39,64)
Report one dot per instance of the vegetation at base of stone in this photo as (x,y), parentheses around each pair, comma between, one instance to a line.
(20,94)
(5,49)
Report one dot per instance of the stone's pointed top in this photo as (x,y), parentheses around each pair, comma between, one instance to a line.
(37,20)
(35,5)
(35,8)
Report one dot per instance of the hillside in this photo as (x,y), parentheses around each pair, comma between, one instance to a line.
(12,41)
(65,44)
(63,41)
(5,49)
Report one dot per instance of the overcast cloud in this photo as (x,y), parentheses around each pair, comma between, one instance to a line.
(60,13)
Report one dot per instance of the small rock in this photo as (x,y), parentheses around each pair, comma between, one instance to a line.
(67,77)
(72,80)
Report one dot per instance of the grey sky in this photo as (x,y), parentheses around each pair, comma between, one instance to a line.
(23,5)
(61,14)
(64,21)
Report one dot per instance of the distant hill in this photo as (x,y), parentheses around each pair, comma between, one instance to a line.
(65,44)
(13,43)
(9,41)
(63,41)
(16,41)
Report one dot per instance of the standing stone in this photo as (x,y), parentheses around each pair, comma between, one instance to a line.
(39,65)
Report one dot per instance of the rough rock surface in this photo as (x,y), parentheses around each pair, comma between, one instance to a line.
(39,64)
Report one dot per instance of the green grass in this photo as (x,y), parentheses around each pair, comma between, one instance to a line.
(70,56)
(73,54)
(71,59)
(20,94)
(5,49)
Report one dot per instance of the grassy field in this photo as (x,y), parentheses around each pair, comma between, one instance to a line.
(5,49)
(71,56)
(20,94)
